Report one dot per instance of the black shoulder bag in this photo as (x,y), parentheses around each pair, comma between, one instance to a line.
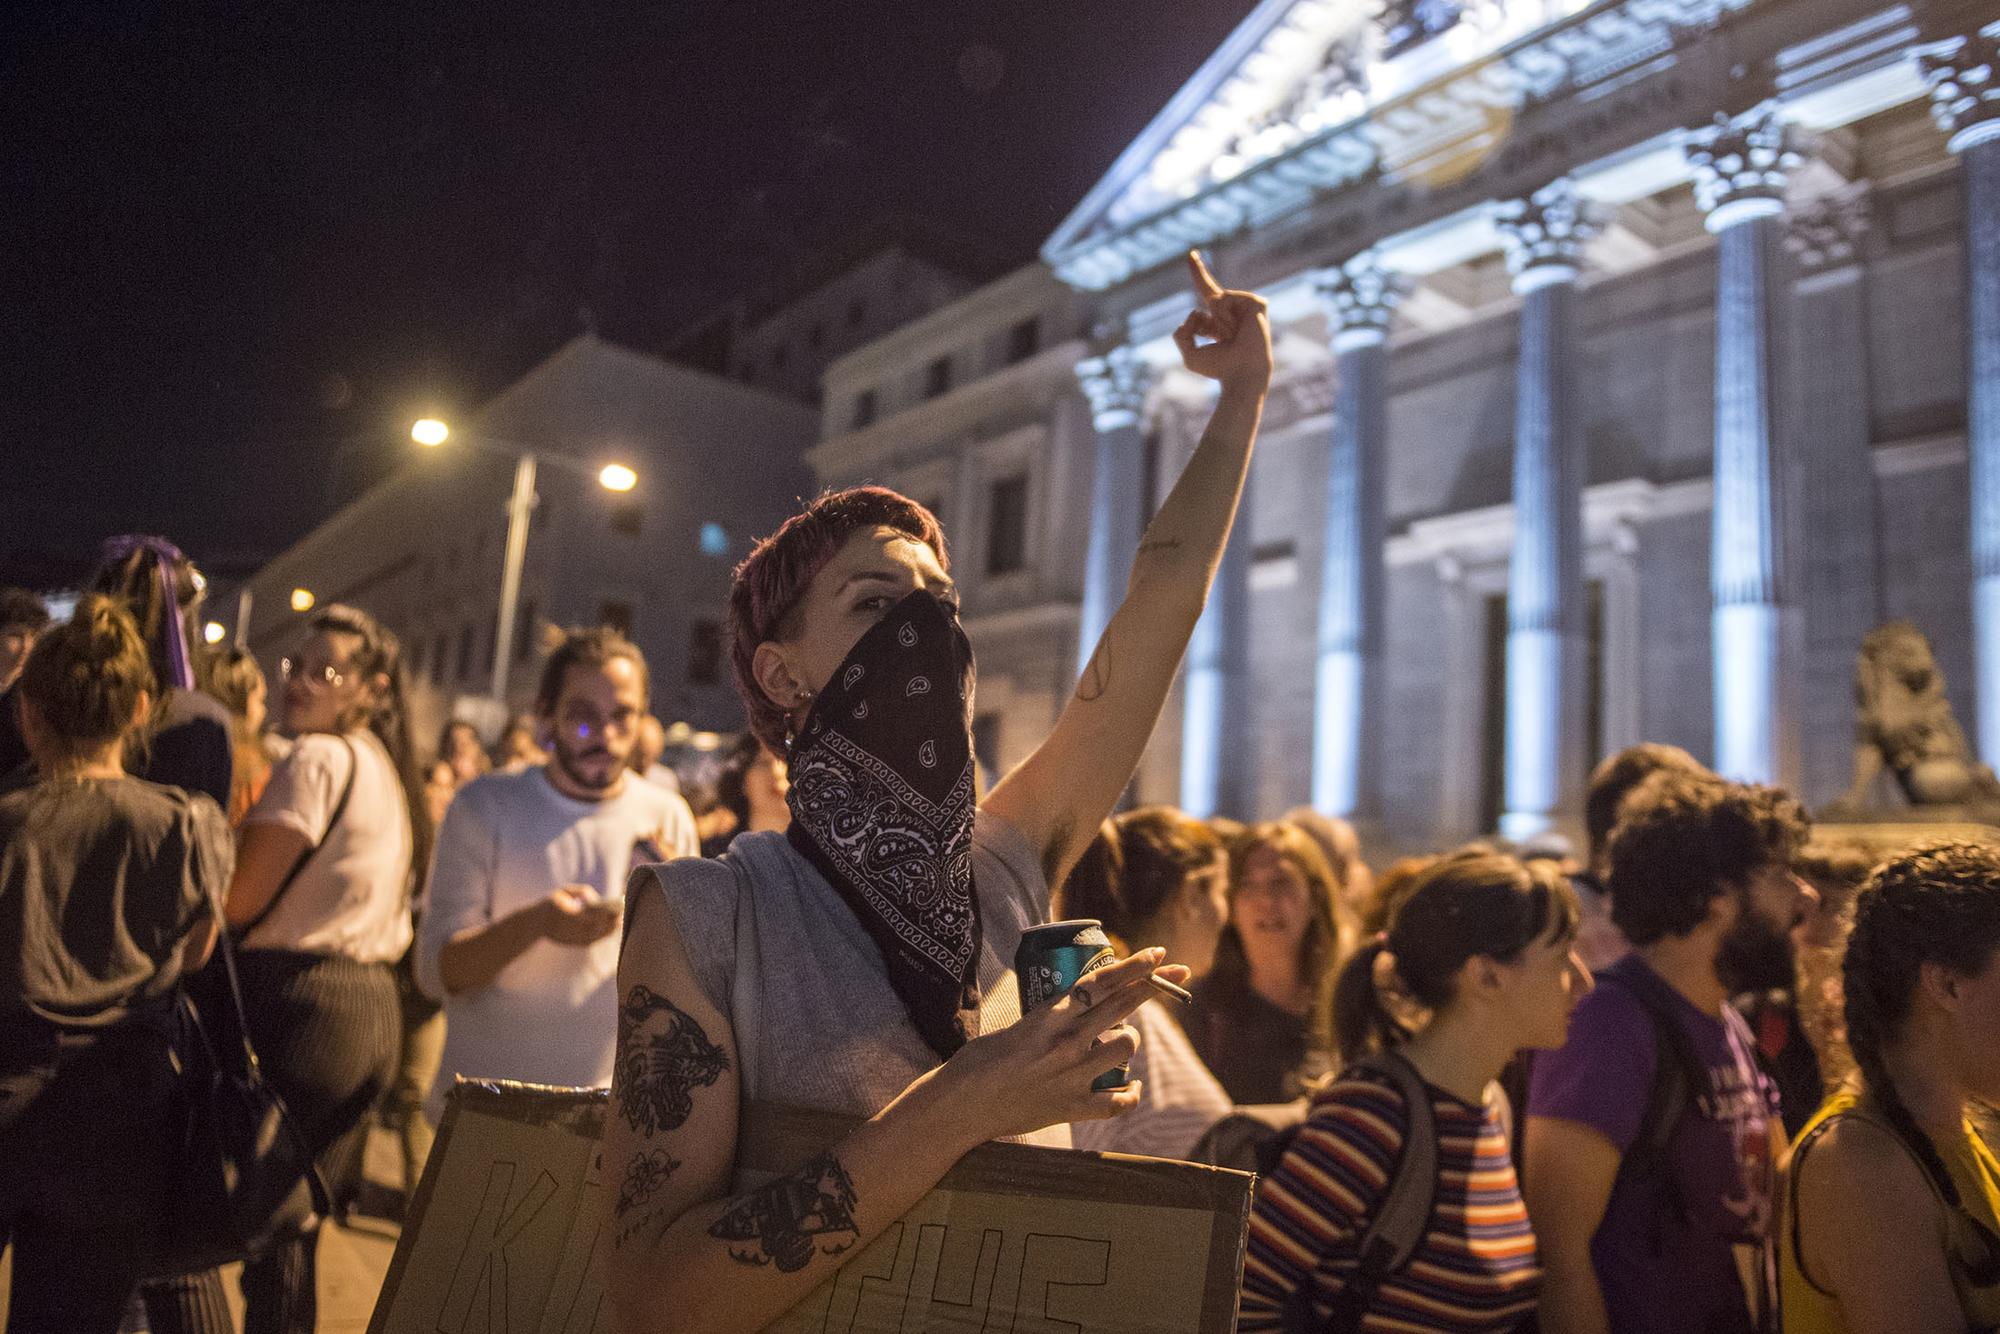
(244,1179)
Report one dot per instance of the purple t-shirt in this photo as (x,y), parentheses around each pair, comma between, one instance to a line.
(1663,1271)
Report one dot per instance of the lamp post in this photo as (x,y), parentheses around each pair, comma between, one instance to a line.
(430,433)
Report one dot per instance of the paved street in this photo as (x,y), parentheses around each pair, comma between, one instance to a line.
(352,1260)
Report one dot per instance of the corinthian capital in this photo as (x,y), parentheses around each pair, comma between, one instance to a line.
(1545,233)
(1116,385)
(1741,164)
(1827,232)
(1963,74)
(1360,297)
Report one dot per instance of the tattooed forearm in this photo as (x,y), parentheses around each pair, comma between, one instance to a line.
(644,1176)
(1097,674)
(783,1222)
(646,1173)
(663,1057)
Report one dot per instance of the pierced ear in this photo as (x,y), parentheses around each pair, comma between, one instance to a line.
(775,676)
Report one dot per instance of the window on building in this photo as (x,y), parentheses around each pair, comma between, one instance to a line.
(1493,722)
(466,645)
(704,653)
(1007,526)
(864,409)
(524,631)
(1024,340)
(615,615)
(628,518)
(937,377)
(857,312)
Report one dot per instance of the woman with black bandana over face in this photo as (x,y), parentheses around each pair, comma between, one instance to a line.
(862,961)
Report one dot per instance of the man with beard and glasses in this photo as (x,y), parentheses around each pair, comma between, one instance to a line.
(861,962)
(1652,1135)
(519,933)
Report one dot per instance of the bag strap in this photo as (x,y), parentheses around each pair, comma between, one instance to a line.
(1672,1091)
(339,809)
(1402,1215)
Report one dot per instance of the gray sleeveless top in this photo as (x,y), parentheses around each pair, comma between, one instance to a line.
(817,1024)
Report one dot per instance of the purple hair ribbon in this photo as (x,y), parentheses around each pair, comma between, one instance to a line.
(180,666)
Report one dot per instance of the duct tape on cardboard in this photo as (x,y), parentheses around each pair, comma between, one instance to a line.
(506,1225)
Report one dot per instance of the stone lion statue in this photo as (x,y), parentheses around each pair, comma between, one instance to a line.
(1904,723)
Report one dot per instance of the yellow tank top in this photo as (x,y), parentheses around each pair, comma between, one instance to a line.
(1976,1174)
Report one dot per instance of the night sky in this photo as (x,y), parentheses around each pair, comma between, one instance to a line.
(246,243)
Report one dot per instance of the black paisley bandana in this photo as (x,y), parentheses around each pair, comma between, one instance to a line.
(882,806)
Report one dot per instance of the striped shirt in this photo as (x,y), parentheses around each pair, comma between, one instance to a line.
(1475,1271)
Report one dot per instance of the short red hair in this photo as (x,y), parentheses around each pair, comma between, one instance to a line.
(773,579)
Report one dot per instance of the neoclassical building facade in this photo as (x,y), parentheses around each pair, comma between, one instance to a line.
(1635,358)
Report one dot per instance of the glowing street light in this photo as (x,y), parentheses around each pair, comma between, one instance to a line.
(302,599)
(213,632)
(430,433)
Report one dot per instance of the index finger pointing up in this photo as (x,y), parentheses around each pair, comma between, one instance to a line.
(1205,285)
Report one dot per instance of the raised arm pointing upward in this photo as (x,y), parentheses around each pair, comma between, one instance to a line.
(850,660)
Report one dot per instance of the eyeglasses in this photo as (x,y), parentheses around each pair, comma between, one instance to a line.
(321,678)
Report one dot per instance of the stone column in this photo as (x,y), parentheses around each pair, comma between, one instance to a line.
(1360,297)
(1545,760)
(1838,570)
(1116,385)
(1964,78)
(1741,165)
(1216,749)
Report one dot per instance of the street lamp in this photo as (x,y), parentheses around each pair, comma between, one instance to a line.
(213,632)
(430,432)
(302,599)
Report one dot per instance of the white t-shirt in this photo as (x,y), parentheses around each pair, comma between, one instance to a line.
(352,899)
(1178,1103)
(551,1015)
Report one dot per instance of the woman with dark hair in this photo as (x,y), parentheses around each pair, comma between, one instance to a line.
(1478,964)
(1894,1197)
(188,742)
(1156,876)
(861,962)
(321,901)
(751,787)
(1252,1018)
(107,895)
(460,747)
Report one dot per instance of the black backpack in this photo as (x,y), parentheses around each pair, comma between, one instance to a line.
(1402,1216)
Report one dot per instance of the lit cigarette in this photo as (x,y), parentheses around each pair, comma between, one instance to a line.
(1166,988)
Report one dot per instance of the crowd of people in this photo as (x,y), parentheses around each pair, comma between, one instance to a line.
(1713,1074)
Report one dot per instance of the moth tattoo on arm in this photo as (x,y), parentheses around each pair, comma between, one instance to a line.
(663,1057)
(784,1221)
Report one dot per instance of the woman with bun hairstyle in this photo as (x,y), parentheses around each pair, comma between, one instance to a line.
(1478,963)
(1156,877)
(108,887)
(1252,1021)
(1894,1199)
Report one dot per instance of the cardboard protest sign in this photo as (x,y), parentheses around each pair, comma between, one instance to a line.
(504,1232)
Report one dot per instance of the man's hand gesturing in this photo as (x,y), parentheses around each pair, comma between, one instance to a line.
(1238,332)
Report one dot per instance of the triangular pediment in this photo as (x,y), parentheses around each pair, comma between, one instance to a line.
(1307,96)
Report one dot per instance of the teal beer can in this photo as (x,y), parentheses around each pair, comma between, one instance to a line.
(1051,959)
